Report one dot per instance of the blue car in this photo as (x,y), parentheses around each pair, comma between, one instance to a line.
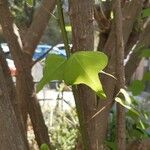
(43,48)
(61,49)
(40,51)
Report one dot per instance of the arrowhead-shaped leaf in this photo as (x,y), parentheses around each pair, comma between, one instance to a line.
(124,104)
(53,70)
(83,68)
(124,99)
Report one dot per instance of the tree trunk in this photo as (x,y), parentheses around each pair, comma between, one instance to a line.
(80,28)
(11,136)
(120,74)
(25,86)
(11,87)
(81,15)
(131,10)
(143,144)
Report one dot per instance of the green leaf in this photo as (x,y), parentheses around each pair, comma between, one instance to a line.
(145,53)
(146,76)
(132,115)
(136,87)
(68,28)
(44,147)
(83,68)
(146,12)
(29,2)
(145,114)
(53,70)
(124,99)
(126,96)
(126,105)
(111,145)
(136,133)
(142,124)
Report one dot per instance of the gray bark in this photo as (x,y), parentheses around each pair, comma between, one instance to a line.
(81,15)
(130,11)
(120,74)
(23,62)
(11,136)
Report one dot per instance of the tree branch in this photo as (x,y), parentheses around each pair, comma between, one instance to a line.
(120,129)
(11,35)
(41,57)
(83,39)
(130,12)
(10,125)
(25,90)
(38,25)
(134,37)
(143,144)
(134,59)
(10,86)
(102,21)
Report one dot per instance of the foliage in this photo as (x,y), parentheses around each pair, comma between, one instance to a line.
(82,67)
(137,122)
(23,10)
(136,125)
(145,53)
(44,147)
(29,2)
(146,76)
(17,9)
(146,12)
(124,99)
(136,87)
(64,131)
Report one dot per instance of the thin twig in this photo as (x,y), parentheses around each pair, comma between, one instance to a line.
(102,109)
(41,57)
(62,26)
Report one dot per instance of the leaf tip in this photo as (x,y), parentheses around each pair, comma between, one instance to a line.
(101,94)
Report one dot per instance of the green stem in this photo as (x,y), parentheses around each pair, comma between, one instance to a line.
(62,27)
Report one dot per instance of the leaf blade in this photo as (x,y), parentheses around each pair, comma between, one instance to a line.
(53,70)
(87,66)
(122,102)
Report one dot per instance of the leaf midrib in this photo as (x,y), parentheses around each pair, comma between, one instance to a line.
(84,70)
